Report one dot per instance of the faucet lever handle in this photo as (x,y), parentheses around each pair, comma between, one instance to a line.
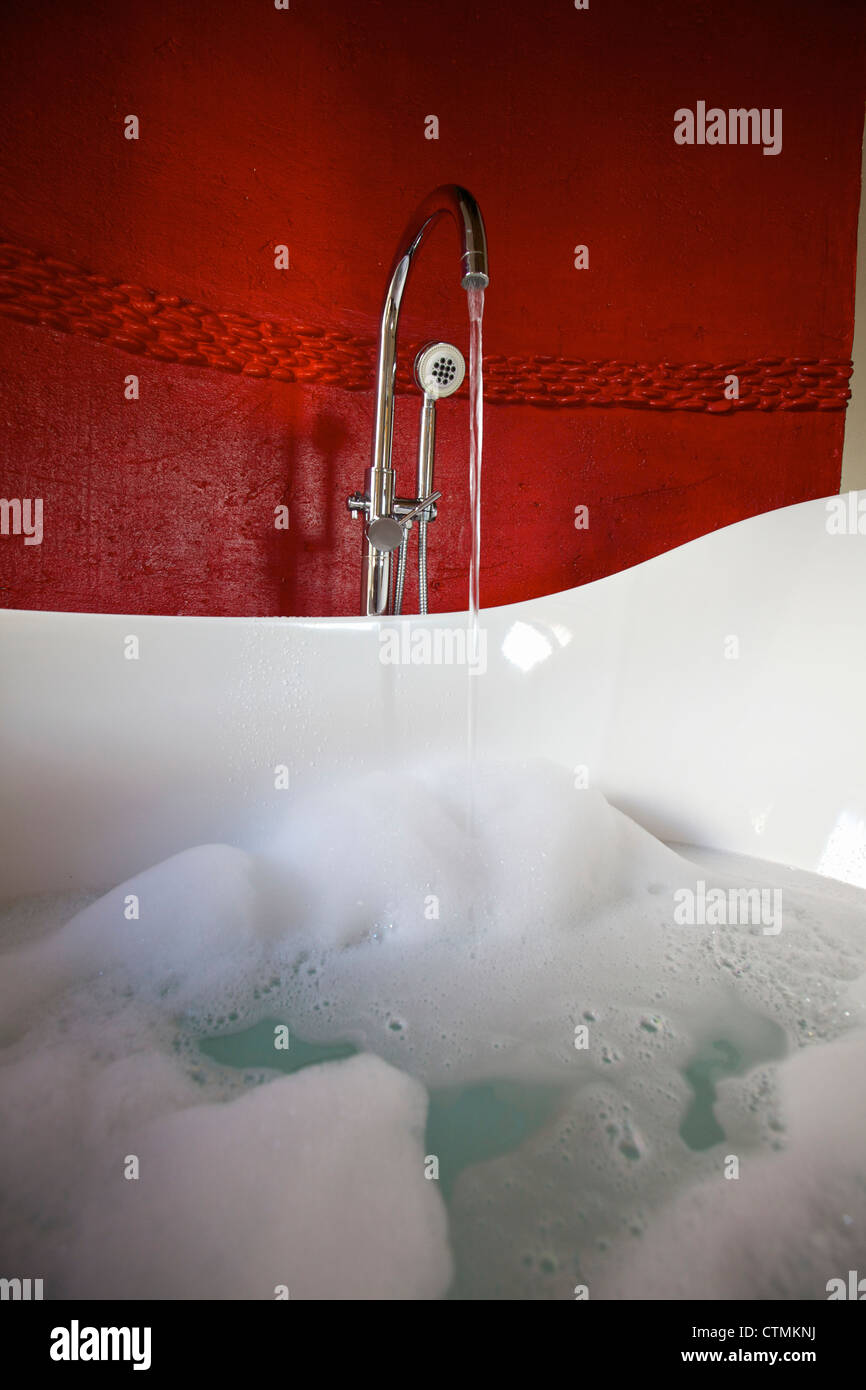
(421,506)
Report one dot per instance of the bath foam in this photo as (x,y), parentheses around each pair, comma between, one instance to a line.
(314,1181)
(65,1106)
(790,1222)
(309,1187)
(536,1223)
(373,917)
(558,914)
(465,958)
(167,932)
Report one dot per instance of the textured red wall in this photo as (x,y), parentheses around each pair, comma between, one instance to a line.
(306,127)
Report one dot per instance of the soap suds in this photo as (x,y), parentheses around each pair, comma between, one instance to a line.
(311,1187)
(542,952)
(788,1224)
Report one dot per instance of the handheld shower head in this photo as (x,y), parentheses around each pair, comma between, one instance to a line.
(439,370)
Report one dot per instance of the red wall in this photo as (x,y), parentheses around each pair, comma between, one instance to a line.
(306,127)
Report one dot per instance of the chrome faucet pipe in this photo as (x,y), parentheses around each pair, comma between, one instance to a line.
(457,202)
(426,447)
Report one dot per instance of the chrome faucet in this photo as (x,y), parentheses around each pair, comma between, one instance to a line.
(379,504)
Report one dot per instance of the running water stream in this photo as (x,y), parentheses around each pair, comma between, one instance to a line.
(476,440)
(476,444)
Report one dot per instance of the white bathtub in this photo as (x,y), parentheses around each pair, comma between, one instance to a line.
(111,764)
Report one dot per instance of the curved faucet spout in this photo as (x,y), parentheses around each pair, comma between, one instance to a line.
(459,203)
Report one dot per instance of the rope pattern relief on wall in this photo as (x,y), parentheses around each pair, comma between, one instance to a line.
(42,290)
